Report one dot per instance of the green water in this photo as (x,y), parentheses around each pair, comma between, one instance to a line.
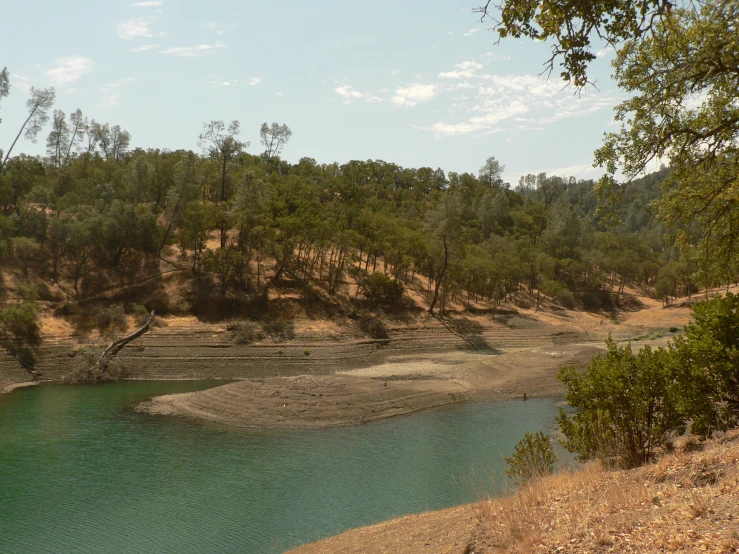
(81,472)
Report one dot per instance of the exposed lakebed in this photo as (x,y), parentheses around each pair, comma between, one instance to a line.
(81,471)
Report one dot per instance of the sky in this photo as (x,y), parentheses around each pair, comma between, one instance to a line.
(421,83)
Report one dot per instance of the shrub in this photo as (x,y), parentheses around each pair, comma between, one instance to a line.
(109,319)
(559,293)
(383,290)
(706,358)
(626,406)
(374,327)
(245,332)
(279,329)
(533,457)
(18,323)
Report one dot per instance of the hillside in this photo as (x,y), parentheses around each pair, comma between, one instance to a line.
(686,502)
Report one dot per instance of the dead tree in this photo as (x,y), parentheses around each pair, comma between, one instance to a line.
(116,346)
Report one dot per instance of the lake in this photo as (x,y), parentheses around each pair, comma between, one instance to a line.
(82,472)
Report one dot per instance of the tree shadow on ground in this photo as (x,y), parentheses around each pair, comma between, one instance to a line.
(471,332)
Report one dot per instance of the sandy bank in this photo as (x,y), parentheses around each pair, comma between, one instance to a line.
(401,386)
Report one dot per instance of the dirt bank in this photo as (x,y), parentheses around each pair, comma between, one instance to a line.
(401,386)
(187,348)
(684,503)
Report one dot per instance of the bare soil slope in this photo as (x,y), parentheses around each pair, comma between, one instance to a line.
(400,386)
(685,503)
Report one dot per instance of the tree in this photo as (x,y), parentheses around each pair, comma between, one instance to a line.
(120,140)
(222,145)
(78,129)
(707,365)
(493,210)
(228,264)
(19,329)
(380,289)
(57,143)
(533,458)
(38,106)
(573,24)
(25,250)
(199,219)
(491,172)
(274,138)
(113,141)
(682,109)
(625,406)
(677,63)
(444,226)
(4,89)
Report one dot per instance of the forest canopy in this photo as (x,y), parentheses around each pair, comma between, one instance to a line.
(95,212)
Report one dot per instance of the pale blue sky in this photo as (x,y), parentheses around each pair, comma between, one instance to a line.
(415,82)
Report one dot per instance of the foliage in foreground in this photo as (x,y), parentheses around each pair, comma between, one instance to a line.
(625,406)
(707,358)
(533,457)
(628,405)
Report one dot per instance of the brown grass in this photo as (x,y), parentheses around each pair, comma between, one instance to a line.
(683,503)
(687,502)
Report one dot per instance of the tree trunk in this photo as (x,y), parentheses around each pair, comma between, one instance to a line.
(116,346)
(441,277)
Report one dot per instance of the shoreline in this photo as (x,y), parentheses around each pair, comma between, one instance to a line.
(394,388)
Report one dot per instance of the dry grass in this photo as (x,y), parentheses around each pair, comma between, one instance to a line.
(686,502)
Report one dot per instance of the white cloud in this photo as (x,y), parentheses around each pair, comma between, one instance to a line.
(461,70)
(215,28)
(603,52)
(151,4)
(68,70)
(350,94)
(193,51)
(145,47)
(471,32)
(109,92)
(138,27)
(254,81)
(527,101)
(413,94)
(489,57)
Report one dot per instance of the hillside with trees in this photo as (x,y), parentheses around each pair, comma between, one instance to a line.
(95,214)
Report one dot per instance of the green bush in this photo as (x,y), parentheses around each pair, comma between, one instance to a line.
(533,457)
(19,323)
(625,406)
(383,290)
(706,360)
(559,292)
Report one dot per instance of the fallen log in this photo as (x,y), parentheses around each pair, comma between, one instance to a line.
(117,345)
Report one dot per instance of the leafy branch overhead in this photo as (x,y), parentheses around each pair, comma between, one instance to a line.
(679,64)
(573,25)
